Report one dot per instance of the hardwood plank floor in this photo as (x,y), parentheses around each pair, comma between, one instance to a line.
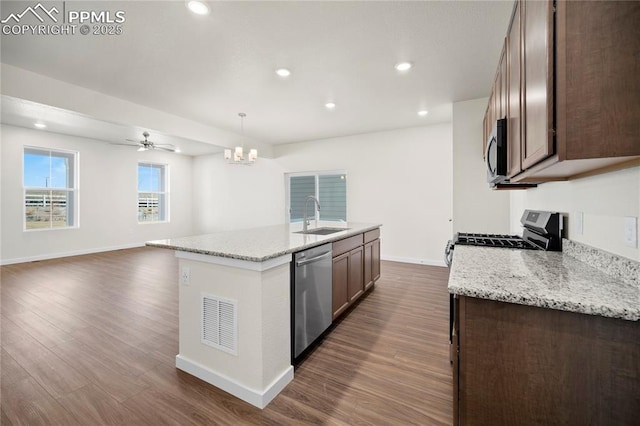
(91,340)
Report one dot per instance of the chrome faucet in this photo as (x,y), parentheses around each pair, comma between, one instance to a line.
(305,221)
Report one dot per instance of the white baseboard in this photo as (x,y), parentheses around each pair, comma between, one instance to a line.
(68,253)
(429,262)
(253,397)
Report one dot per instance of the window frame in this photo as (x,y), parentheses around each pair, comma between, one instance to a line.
(166,193)
(74,190)
(316,174)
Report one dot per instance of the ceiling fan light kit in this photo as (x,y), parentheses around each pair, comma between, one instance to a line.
(237,155)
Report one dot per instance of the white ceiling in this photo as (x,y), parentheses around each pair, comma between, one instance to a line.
(209,68)
(20,112)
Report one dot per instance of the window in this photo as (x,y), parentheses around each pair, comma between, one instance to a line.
(50,188)
(153,194)
(330,188)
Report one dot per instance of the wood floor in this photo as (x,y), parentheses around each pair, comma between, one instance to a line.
(91,340)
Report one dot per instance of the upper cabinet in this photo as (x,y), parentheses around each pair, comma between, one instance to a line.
(537,81)
(497,107)
(568,84)
(514,96)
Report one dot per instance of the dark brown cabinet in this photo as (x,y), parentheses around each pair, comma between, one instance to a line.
(371,259)
(571,93)
(497,107)
(355,285)
(537,81)
(516,364)
(356,267)
(514,107)
(340,284)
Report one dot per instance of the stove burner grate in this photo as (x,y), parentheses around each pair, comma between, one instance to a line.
(494,240)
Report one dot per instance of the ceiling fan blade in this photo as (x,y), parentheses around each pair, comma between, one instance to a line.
(132,140)
(125,144)
(164,149)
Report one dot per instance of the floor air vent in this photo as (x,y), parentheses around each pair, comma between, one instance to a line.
(220,323)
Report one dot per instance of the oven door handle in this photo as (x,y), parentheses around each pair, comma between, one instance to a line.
(448,253)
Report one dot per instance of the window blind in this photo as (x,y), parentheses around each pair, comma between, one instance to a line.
(333,197)
(300,187)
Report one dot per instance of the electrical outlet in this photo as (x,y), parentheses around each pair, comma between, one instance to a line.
(579,227)
(631,231)
(185,276)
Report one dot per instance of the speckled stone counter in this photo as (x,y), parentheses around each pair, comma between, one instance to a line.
(260,244)
(544,279)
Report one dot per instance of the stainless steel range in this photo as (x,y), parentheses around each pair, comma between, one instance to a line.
(542,231)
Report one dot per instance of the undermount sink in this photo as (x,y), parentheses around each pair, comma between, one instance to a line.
(321,231)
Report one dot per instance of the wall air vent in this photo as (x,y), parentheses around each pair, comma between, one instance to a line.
(220,323)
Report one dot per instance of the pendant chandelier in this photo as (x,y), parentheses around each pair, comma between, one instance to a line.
(237,156)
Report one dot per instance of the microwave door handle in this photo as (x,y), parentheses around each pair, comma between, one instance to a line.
(486,156)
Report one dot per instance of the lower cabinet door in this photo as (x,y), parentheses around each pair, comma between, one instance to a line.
(340,280)
(375,260)
(368,265)
(355,284)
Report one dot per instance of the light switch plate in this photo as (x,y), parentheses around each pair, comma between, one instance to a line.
(631,231)
(579,227)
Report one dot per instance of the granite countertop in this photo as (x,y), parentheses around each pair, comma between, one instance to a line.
(542,278)
(261,244)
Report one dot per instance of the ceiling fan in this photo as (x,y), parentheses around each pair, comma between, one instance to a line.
(146,144)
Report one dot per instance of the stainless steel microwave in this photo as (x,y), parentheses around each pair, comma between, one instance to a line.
(496,154)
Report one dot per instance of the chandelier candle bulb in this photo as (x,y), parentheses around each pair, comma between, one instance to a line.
(238,154)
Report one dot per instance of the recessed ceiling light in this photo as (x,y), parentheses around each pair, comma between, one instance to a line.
(403,66)
(198,7)
(423,112)
(40,125)
(178,150)
(330,105)
(283,72)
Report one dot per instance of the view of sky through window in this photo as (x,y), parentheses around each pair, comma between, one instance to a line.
(149,178)
(45,171)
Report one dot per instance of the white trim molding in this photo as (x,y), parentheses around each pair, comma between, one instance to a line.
(429,262)
(68,254)
(254,397)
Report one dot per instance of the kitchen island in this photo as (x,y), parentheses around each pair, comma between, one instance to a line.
(235,305)
(545,337)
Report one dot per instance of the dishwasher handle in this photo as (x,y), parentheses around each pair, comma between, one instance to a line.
(313,259)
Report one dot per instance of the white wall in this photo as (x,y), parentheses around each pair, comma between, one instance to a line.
(234,196)
(108,197)
(399,178)
(604,199)
(476,208)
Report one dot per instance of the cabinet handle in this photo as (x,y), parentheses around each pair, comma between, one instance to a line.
(486,156)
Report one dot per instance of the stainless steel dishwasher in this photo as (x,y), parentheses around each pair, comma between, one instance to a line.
(311,295)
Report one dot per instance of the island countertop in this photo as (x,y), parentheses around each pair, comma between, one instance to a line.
(263,243)
(542,278)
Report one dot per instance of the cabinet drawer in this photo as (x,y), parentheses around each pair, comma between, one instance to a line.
(348,244)
(371,235)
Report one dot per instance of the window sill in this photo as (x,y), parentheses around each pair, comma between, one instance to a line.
(60,228)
